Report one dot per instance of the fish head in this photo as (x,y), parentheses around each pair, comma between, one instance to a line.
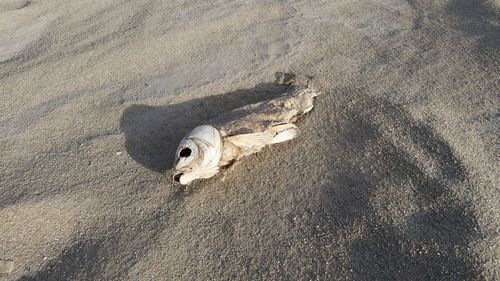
(198,155)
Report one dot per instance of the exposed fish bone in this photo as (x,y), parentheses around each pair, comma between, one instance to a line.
(241,132)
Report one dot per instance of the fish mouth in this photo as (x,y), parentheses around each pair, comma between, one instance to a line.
(177,177)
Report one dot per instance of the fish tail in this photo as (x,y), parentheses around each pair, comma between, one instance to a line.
(308,95)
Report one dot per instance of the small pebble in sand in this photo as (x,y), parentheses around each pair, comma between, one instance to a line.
(6,266)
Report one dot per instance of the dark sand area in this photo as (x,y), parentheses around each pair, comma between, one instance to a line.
(395,174)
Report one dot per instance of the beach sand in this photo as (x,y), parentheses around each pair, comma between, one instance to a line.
(395,174)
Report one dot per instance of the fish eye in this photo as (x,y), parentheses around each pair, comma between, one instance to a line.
(185,152)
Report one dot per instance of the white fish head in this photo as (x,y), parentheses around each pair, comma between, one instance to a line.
(198,155)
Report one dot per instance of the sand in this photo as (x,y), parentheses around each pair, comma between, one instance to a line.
(394,175)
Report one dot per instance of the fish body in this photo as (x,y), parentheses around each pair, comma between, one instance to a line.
(241,132)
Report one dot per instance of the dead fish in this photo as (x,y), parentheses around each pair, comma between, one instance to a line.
(6,266)
(208,149)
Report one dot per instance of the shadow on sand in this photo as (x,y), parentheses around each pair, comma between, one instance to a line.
(477,19)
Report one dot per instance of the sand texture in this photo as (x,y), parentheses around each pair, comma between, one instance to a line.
(394,176)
